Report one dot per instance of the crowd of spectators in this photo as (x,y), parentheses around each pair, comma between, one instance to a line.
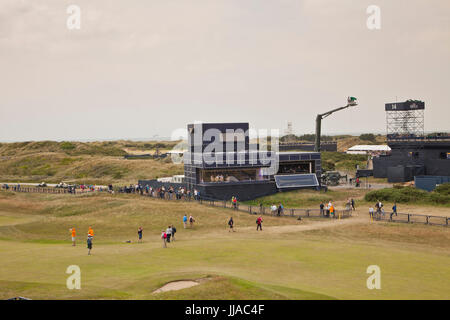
(163,192)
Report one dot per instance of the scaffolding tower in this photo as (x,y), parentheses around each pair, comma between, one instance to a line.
(405,120)
(405,129)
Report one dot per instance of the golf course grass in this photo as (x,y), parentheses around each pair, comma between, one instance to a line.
(289,259)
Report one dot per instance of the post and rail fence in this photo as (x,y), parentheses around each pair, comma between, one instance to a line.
(252,209)
(412,218)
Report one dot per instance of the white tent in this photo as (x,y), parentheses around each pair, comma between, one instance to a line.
(368,149)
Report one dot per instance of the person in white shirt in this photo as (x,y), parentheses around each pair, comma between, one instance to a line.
(273,208)
(169,233)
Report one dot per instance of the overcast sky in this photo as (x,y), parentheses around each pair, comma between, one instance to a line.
(137,68)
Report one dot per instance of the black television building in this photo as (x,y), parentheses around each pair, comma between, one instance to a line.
(413,153)
(221,163)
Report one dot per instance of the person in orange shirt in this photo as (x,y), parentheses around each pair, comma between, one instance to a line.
(74,234)
(90,232)
(332,211)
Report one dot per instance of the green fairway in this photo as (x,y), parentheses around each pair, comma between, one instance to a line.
(289,259)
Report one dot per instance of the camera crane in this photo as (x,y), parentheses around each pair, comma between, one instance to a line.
(351,102)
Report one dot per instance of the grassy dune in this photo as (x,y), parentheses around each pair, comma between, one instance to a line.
(91,163)
(290,259)
(103,162)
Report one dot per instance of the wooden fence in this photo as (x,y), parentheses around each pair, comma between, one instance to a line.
(412,218)
(260,210)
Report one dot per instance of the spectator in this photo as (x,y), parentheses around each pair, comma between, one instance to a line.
(394,210)
(348,205)
(371,213)
(322,212)
(352,201)
(259,222)
(164,237)
(280,209)
(378,206)
(89,244)
(191,221)
(174,230)
(273,209)
(185,220)
(169,233)
(231,224)
(91,232)
(332,211)
(140,234)
(74,234)
(234,201)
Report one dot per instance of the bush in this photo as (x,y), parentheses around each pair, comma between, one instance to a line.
(328,165)
(443,189)
(368,137)
(407,195)
(342,161)
(67,145)
(350,164)
(338,156)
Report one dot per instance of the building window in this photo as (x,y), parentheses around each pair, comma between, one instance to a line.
(231,175)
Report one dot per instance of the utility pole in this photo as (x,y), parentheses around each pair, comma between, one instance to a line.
(351,101)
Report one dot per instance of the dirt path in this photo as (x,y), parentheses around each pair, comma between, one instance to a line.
(315,225)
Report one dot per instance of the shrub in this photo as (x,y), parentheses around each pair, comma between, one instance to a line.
(67,145)
(328,165)
(443,189)
(407,194)
(337,156)
(368,137)
(350,164)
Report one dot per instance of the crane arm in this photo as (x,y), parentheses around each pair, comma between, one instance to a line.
(351,102)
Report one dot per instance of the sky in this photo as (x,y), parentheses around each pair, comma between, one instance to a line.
(140,68)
